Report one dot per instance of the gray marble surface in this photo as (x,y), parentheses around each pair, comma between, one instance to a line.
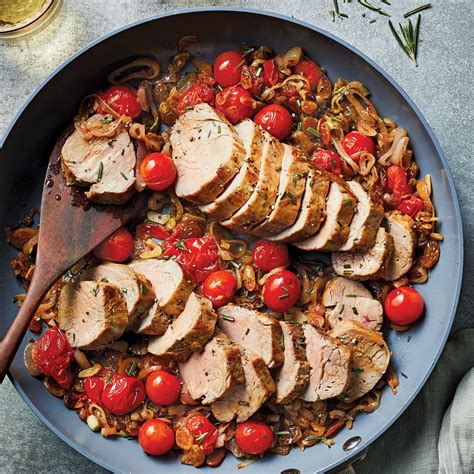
(441,86)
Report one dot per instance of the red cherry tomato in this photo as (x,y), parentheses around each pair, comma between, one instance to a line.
(144,231)
(198,255)
(52,354)
(275,119)
(235,103)
(186,229)
(327,159)
(254,437)
(227,67)
(354,143)
(397,182)
(271,74)
(281,291)
(123,100)
(196,94)
(94,386)
(158,171)
(122,394)
(204,432)
(162,387)
(411,206)
(310,70)
(219,287)
(156,437)
(116,248)
(268,255)
(250,81)
(403,305)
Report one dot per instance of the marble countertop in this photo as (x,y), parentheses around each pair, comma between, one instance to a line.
(440,86)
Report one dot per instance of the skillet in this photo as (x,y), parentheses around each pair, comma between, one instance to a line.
(24,154)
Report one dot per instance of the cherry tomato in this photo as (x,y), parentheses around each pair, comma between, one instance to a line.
(310,70)
(204,432)
(198,255)
(268,255)
(354,143)
(123,100)
(227,67)
(94,386)
(116,248)
(271,74)
(397,182)
(235,103)
(219,287)
(250,81)
(156,437)
(162,387)
(122,394)
(327,159)
(275,119)
(186,229)
(52,354)
(144,231)
(254,437)
(281,291)
(403,305)
(158,171)
(411,206)
(196,94)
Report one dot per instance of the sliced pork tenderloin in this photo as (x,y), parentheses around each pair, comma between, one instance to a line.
(245,400)
(312,210)
(136,289)
(92,314)
(329,360)
(188,333)
(370,357)
(292,378)
(366,221)
(207,153)
(254,331)
(400,227)
(366,265)
(241,187)
(212,373)
(334,231)
(341,289)
(366,311)
(294,170)
(106,165)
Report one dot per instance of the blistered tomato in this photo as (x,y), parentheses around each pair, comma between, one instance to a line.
(411,206)
(186,229)
(311,70)
(196,94)
(204,432)
(328,159)
(268,255)
(162,387)
(403,305)
(123,100)
(227,68)
(219,287)
(275,119)
(281,291)
(156,437)
(251,80)
(354,143)
(235,103)
(271,74)
(397,182)
(158,171)
(254,437)
(122,394)
(144,231)
(116,248)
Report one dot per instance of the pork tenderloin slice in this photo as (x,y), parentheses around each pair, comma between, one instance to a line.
(366,221)
(365,265)
(312,210)
(172,289)
(107,165)
(254,331)
(136,289)
(212,373)
(366,311)
(243,184)
(341,289)
(335,229)
(188,332)
(263,197)
(329,360)
(292,378)
(207,152)
(92,314)
(370,357)
(290,193)
(245,400)
(400,227)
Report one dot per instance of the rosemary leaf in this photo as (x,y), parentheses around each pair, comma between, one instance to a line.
(417,10)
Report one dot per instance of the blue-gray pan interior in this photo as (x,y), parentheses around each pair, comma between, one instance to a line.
(26,149)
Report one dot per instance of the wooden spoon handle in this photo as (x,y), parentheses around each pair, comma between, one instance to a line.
(12,340)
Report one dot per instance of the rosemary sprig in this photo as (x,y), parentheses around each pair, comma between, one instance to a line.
(417,10)
(131,369)
(100,171)
(368,5)
(410,35)
(336,12)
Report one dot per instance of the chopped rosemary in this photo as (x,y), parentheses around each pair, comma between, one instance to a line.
(240,64)
(313,438)
(143,289)
(189,107)
(124,176)
(409,339)
(227,318)
(247,331)
(244,403)
(218,129)
(417,10)
(107,119)
(354,310)
(131,369)
(313,132)
(341,309)
(248,51)
(282,342)
(291,196)
(282,433)
(95,290)
(386,2)
(111,142)
(368,5)
(357,369)
(333,15)
(283,296)
(108,379)
(403,375)
(258,72)
(347,265)
(337,12)
(201,437)
(235,264)
(410,35)
(181,245)
(100,171)
(123,290)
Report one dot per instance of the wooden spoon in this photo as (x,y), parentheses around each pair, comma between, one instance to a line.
(71,226)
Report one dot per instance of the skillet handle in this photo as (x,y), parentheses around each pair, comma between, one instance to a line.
(12,340)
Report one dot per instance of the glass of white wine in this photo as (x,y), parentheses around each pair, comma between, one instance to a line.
(21,17)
